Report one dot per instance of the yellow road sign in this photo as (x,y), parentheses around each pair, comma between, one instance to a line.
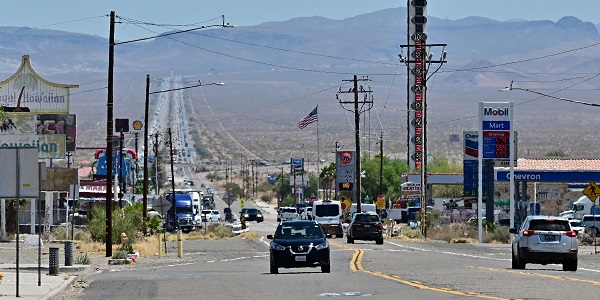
(591,191)
(345,202)
(380,203)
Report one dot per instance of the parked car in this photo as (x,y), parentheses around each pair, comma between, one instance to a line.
(215,216)
(252,214)
(545,240)
(591,223)
(299,244)
(365,226)
(577,226)
(210,215)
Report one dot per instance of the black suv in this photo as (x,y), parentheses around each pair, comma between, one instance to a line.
(252,214)
(365,226)
(299,244)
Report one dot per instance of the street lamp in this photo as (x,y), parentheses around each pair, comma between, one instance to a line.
(510,88)
(110,121)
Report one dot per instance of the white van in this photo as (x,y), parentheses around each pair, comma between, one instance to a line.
(329,214)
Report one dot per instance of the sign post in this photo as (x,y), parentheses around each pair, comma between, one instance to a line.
(495,141)
(592,192)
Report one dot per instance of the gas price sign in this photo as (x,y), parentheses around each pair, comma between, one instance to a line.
(496,144)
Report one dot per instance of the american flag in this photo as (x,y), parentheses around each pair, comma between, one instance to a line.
(309,119)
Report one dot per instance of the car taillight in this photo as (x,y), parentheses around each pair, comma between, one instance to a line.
(379,226)
(572,233)
(528,232)
(356,225)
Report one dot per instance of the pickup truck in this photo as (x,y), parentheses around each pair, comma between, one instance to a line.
(287,214)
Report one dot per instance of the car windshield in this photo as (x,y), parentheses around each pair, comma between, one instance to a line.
(366,218)
(252,211)
(205,212)
(327,210)
(576,223)
(184,210)
(549,225)
(298,231)
(288,210)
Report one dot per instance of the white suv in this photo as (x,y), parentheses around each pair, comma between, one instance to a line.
(545,240)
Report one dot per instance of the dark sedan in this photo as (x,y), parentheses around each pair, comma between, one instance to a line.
(299,244)
(252,214)
(365,226)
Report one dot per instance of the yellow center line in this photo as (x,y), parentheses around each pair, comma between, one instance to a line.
(594,282)
(356,265)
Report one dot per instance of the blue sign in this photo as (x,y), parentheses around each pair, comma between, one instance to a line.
(496,125)
(534,209)
(550,176)
(470,180)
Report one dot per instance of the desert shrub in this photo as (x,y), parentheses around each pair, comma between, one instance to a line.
(59,233)
(499,235)
(265,198)
(82,260)
(120,254)
(121,222)
(220,231)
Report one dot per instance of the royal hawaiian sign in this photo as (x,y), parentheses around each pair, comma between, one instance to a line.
(27,91)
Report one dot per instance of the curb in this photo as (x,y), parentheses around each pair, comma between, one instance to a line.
(61,287)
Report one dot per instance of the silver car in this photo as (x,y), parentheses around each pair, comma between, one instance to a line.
(545,240)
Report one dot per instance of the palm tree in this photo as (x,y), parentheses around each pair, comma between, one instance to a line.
(327,178)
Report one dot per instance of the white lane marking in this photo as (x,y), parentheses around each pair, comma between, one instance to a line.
(447,252)
(469,255)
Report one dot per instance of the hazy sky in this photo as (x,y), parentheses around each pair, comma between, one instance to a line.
(89,16)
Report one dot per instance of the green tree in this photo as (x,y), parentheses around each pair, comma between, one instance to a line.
(327,178)
(392,176)
(282,186)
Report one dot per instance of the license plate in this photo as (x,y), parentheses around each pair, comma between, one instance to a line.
(300,258)
(549,238)
(367,226)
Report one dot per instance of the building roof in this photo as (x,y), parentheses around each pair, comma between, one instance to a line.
(558,163)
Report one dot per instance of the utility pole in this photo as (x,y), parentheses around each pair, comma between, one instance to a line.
(145,182)
(422,59)
(175,225)
(156,165)
(109,135)
(381,164)
(366,105)
(282,195)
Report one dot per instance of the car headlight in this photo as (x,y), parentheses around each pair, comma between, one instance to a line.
(276,246)
(246,215)
(321,246)
(259,215)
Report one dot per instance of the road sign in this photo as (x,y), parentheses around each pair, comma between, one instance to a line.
(592,191)
(162,206)
(242,203)
(229,198)
(380,203)
(137,125)
(345,202)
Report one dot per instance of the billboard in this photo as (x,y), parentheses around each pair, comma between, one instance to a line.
(28,91)
(297,166)
(59,124)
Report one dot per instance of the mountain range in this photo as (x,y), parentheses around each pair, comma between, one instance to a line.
(276,72)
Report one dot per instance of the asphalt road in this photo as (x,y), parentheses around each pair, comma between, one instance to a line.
(239,269)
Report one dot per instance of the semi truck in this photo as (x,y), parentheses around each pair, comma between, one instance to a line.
(583,206)
(181,215)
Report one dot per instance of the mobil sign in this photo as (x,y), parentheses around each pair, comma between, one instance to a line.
(496,115)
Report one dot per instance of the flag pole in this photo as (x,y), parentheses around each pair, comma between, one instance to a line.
(318,157)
